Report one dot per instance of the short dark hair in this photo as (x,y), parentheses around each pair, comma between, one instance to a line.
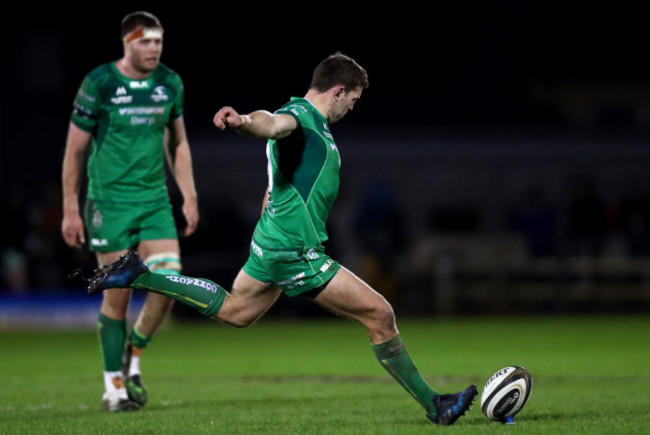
(139,18)
(338,69)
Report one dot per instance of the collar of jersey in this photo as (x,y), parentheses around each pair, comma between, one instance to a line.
(294,99)
(128,80)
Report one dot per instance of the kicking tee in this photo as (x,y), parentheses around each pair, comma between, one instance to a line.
(303,171)
(127,120)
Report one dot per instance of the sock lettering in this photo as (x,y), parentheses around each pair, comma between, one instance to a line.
(193,281)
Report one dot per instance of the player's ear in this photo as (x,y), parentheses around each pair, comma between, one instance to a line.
(339,90)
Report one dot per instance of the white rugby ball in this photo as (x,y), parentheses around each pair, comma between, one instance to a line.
(506,392)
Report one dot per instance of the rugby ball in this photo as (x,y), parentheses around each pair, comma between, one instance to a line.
(506,393)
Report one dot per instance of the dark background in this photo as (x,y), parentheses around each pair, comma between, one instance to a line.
(471,112)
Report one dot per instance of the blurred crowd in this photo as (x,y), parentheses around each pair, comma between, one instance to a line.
(35,258)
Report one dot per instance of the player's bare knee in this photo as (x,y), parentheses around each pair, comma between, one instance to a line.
(115,303)
(384,312)
(384,318)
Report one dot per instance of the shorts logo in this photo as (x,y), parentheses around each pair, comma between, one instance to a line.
(326,266)
(97,219)
(293,278)
(257,250)
(312,254)
(294,281)
(297,284)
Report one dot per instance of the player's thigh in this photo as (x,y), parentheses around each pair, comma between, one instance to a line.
(111,226)
(157,237)
(249,298)
(147,248)
(247,290)
(156,221)
(348,295)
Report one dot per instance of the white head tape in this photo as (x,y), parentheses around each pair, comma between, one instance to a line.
(144,32)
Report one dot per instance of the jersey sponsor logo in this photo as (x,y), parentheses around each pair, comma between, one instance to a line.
(212,288)
(257,250)
(326,132)
(159,94)
(85,96)
(121,96)
(295,109)
(142,120)
(99,242)
(312,254)
(139,84)
(124,99)
(141,111)
(336,150)
(81,110)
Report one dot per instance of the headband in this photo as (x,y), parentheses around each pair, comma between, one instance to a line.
(144,32)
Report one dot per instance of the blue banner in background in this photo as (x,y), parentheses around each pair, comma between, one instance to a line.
(52,310)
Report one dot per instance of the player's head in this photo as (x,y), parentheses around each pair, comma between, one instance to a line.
(338,69)
(344,79)
(142,34)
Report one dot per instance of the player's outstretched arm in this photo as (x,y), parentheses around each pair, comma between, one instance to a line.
(260,123)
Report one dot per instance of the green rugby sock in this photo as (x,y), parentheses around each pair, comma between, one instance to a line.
(203,295)
(392,355)
(138,340)
(112,335)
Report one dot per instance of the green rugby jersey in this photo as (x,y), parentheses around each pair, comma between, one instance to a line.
(303,181)
(127,120)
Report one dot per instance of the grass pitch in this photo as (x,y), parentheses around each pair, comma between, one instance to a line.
(591,375)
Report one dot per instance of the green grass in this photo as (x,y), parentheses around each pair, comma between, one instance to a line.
(591,375)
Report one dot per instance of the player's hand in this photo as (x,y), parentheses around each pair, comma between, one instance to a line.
(72,229)
(191,213)
(227,117)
